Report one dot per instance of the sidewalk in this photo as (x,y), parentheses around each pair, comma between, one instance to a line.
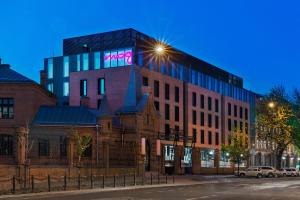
(183,180)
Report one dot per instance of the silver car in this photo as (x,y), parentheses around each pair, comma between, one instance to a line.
(268,171)
(292,171)
(251,172)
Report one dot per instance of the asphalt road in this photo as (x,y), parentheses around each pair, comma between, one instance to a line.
(234,188)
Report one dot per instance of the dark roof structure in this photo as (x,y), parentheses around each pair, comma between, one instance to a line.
(66,115)
(134,109)
(7,75)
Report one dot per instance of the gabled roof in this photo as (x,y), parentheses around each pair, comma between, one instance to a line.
(66,115)
(134,109)
(7,75)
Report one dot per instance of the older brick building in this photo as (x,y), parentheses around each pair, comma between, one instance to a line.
(199,104)
(20,99)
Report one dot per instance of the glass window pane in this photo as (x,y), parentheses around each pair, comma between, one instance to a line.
(66,89)
(85,61)
(121,58)
(66,66)
(50,68)
(128,56)
(97,60)
(106,59)
(114,59)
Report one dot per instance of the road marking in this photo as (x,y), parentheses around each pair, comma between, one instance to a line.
(203,197)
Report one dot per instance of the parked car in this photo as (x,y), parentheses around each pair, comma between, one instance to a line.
(292,171)
(251,172)
(268,171)
(281,172)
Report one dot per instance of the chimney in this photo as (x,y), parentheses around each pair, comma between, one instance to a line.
(6,66)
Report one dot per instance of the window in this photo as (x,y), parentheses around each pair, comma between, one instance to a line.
(98,103)
(209,121)
(118,58)
(167,111)
(50,68)
(246,128)
(246,114)
(202,137)
(167,91)
(101,86)
(229,109)
(176,114)
(50,87)
(66,89)
(63,146)
(194,99)
(88,151)
(156,88)
(6,145)
(229,125)
(83,87)
(177,94)
(194,117)
(167,131)
(235,125)
(202,101)
(78,62)
(43,147)
(156,104)
(66,66)
(207,157)
(194,135)
(145,81)
(216,105)
(217,138)
(241,127)
(241,113)
(209,137)
(85,61)
(97,60)
(169,153)
(235,110)
(209,103)
(6,108)
(216,121)
(202,118)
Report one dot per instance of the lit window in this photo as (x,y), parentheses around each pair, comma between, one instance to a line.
(97,60)
(85,61)
(50,68)
(66,89)
(101,86)
(83,87)
(121,58)
(107,59)
(50,87)
(118,58)
(78,63)
(66,66)
(114,59)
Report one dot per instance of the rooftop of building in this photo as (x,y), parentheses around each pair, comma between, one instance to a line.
(7,75)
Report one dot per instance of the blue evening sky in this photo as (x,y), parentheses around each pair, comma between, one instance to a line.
(258,40)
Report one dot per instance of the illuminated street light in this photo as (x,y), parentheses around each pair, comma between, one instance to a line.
(159,49)
(271,104)
(242,155)
(227,154)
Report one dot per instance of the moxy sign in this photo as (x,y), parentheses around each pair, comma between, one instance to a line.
(120,56)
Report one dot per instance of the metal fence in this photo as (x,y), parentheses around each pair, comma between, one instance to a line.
(49,183)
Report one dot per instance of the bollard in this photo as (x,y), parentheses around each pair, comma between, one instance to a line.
(173,179)
(32,183)
(134,179)
(13,184)
(143,179)
(49,184)
(103,181)
(79,182)
(158,179)
(166,178)
(114,180)
(65,182)
(124,180)
(151,178)
(92,184)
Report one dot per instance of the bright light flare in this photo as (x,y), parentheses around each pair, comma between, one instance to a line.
(159,49)
(271,104)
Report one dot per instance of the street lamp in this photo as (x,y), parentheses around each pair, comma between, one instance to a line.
(271,104)
(159,49)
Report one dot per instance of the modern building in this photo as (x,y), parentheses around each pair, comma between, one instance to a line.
(199,104)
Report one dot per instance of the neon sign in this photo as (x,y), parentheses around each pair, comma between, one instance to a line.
(118,58)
